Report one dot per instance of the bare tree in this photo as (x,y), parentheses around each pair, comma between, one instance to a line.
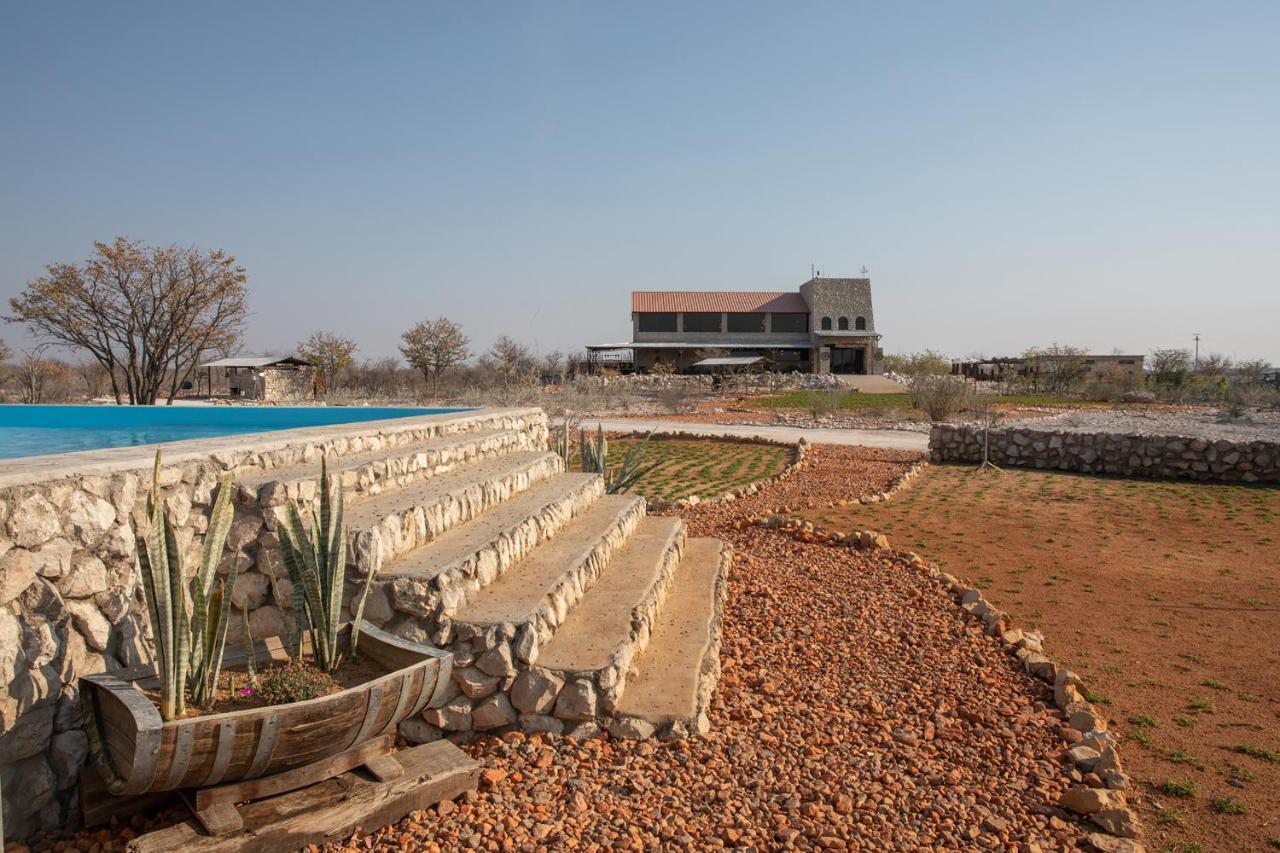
(328,353)
(1170,366)
(146,314)
(93,378)
(1251,371)
(509,359)
(1057,367)
(4,352)
(434,346)
(36,373)
(1213,364)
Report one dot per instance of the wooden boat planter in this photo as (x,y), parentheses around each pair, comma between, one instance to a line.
(245,754)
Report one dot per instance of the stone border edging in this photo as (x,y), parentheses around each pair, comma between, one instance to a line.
(1094,753)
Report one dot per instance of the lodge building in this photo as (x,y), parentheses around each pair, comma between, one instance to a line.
(827,326)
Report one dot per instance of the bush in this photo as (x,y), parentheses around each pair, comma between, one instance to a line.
(295,682)
(940,397)
(676,397)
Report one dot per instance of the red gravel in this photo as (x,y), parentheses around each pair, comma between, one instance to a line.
(857,710)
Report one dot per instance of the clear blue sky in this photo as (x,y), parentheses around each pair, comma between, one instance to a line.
(1012,174)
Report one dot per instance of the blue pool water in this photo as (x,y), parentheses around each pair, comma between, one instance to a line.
(37,430)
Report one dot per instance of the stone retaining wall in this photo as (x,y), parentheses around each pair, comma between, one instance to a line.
(1123,454)
(70,599)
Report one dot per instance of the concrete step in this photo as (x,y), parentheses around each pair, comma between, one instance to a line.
(593,649)
(369,472)
(403,519)
(534,596)
(427,585)
(679,669)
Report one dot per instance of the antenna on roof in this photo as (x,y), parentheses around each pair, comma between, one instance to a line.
(810,270)
(865,270)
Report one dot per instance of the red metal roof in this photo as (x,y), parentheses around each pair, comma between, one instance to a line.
(777,302)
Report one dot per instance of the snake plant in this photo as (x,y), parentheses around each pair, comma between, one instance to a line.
(188,647)
(595,460)
(316,559)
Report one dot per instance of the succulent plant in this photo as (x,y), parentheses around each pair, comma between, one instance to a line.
(316,559)
(595,460)
(188,646)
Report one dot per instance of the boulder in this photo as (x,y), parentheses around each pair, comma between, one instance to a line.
(1120,822)
(453,716)
(497,661)
(89,517)
(87,576)
(631,728)
(1081,800)
(493,713)
(417,730)
(250,590)
(66,756)
(90,622)
(577,701)
(53,558)
(475,684)
(17,572)
(33,521)
(535,690)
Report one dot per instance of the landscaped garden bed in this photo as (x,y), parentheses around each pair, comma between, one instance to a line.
(1158,594)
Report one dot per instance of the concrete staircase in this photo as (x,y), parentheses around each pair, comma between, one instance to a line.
(566,609)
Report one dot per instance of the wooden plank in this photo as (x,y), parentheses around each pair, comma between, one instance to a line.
(299,777)
(331,810)
(384,768)
(220,819)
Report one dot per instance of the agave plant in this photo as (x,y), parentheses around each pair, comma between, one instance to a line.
(189,648)
(316,559)
(595,459)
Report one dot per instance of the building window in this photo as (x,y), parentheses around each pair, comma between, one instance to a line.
(844,324)
(860,323)
(741,321)
(656,321)
(790,323)
(701,321)
(826,324)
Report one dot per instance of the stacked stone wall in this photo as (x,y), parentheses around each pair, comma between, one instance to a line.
(71,602)
(1121,454)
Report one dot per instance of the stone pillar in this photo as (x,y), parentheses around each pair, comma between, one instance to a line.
(823,363)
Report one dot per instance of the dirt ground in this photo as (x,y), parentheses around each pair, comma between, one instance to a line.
(1165,597)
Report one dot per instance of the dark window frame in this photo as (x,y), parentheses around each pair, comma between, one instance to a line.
(844,324)
(800,327)
(652,324)
(826,324)
(701,319)
(747,322)
(860,324)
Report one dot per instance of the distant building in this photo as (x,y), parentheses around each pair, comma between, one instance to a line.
(266,379)
(827,326)
(1010,368)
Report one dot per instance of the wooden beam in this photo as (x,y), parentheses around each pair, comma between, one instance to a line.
(331,810)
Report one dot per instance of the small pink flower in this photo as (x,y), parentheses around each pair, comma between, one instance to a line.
(247,691)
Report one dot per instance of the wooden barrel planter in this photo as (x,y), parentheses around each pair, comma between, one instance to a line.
(137,752)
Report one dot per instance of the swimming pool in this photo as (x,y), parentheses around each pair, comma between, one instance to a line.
(38,430)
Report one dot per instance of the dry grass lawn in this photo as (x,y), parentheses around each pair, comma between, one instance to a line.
(703,467)
(1164,596)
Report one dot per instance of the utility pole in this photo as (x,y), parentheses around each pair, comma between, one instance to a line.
(1196,337)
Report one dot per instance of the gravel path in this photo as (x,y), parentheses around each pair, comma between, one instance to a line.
(857,710)
(1257,425)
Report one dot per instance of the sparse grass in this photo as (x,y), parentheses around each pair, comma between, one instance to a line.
(1202,705)
(1228,805)
(1145,721)
(1214,684)
(1258,752)
(1178,789)
(1171,817)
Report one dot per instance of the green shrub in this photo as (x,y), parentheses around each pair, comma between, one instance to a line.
(294,682)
